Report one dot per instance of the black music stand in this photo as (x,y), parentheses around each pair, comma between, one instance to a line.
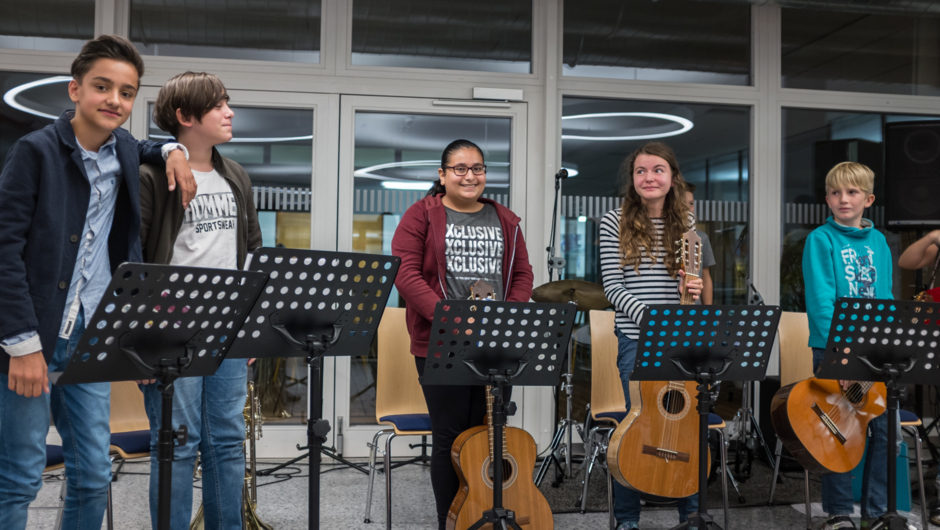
(705,344)
(883,340)
(162,322)
(499,344)
(316,303)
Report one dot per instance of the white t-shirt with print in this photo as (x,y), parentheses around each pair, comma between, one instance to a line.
(209,234)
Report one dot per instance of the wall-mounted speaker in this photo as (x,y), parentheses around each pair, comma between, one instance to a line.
(912,173)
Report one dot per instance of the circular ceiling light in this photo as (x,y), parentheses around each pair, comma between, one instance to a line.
(685,125)
(10,97)
(260,140)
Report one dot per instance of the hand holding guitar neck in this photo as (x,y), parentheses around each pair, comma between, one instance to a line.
(690,256)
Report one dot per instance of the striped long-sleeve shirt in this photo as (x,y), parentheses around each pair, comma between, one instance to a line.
(628,291)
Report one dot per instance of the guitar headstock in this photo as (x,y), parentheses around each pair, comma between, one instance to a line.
(482,291)
(690,253)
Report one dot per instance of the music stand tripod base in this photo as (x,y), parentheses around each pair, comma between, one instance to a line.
(705,344)
(497,343)
(316,304)
(884,341)
(162,322)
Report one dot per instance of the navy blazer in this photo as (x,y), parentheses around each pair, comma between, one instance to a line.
(44,194)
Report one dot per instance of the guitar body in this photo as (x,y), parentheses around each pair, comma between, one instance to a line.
(797,413)
(470,453)
(655,449)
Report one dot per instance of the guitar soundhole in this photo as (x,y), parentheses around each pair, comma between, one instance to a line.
(855,393)
(673,402)
(507,471)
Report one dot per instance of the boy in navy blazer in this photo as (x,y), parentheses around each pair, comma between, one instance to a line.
(69,214)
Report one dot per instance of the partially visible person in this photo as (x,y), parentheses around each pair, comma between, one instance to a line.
(218,231)
(638,269)
(708,257)
(846,256)
(441,240)
(922,253)
(69,215)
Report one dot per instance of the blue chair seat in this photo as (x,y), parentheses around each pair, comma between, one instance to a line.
(409,422)
(132,442)
(714,419)
(907,416)
(54,455)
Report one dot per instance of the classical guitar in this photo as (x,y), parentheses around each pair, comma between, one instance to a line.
(655,448)
(823,426)
(472,456)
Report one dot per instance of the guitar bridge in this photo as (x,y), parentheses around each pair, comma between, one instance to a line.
(665,454)
(827,421)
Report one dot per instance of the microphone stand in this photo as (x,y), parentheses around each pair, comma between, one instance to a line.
(555,262)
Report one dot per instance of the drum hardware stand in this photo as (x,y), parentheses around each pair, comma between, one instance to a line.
(555,262)
(562,439)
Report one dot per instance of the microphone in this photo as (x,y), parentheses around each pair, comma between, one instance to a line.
(562,174)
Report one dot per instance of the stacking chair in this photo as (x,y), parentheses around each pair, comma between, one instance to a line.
(609,407)
(796,364)
(399,402)
(130,428)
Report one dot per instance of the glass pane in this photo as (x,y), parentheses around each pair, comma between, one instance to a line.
(712,143)
(396,162)
(814,141)
(708,43)
(275,146)
(484,35)
(861,52)
(29,102)
(48,25)
(288,30)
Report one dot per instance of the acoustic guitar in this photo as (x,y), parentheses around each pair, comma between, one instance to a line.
(472,455)
(823,426)
(655,449)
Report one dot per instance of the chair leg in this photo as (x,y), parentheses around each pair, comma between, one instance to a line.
(773,481)
(588,467)
(388,481)
(109,511)
(373,449)
(610,500)
(58,517)
(925,518)
(723,450)
(809,506)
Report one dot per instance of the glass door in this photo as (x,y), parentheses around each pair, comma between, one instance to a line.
(390,150)
(283,145)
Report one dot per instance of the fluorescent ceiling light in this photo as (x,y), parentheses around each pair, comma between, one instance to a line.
(10,96)
(686,125)
(395,185)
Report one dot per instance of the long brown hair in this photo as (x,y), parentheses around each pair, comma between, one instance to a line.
(636,227)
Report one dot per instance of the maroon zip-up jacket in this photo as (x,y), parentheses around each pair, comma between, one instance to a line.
(419,242)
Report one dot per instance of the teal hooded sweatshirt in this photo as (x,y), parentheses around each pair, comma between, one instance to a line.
(840,261)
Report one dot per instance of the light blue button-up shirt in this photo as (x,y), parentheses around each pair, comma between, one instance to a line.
(92,271)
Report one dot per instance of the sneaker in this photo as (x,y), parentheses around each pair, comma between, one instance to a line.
(875,524)
(935,516)
(628,526)
(839,522)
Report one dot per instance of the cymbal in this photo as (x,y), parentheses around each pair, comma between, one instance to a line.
(587,295)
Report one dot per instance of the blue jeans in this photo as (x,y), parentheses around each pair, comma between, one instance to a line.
(837,487)
(626,500)
(81,414)
(211,408)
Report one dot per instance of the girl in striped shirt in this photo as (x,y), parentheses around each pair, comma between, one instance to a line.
(638,269)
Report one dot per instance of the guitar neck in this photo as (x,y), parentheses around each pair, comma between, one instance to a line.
(687,298)
(489,423)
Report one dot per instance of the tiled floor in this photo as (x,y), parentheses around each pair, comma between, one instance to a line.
(283,504)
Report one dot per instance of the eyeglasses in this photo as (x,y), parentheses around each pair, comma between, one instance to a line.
(461,171)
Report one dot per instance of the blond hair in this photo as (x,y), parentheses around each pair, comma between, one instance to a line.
(849,174)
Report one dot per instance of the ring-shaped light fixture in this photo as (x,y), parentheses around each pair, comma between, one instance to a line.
(686,125)
(10,97)
(237,140)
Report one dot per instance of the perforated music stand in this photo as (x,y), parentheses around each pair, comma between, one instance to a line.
(477,343)
(884,340)
(705,344)
(316,303)
(162,322)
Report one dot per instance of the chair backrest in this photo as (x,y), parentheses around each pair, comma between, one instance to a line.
(127,408)
(397,390)
(606,387)
(796,357)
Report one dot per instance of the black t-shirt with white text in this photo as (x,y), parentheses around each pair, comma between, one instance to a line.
(475,245)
